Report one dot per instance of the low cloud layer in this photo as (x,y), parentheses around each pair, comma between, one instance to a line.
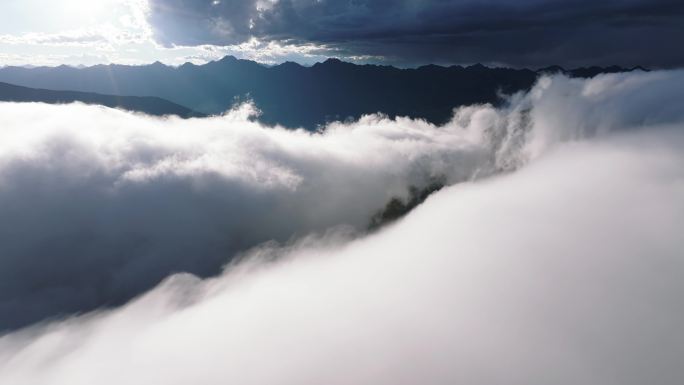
(565,271)
(522,33)
(99,205)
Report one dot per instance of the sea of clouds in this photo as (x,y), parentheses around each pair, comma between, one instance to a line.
(556,255)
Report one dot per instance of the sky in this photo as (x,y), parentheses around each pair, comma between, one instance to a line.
(527,33)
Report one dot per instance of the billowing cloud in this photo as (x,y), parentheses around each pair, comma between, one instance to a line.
(522,33)
(99,205)
(566,271)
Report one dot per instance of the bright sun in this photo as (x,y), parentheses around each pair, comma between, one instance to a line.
(91,11)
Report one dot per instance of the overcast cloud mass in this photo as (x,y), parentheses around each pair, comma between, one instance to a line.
(531,33)
(564,271)
(520,33)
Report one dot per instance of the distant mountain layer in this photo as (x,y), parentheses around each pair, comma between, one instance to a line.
(298,96)
(148,105)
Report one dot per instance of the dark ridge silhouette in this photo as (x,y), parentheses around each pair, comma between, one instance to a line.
(296,96)
(148,105)
(588,72)
(397,207)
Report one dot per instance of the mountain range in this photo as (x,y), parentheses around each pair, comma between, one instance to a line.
(287,94)
(147,104)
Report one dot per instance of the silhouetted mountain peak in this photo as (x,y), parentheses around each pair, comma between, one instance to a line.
(335,63)
(231,62)
(289,64)
(552,69)
(587,72)
(297,96)
(431,67)
(477,67)
(228,59)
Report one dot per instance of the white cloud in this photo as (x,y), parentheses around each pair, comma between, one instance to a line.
(566,271)
(67,38)
(146,197)
(123,35)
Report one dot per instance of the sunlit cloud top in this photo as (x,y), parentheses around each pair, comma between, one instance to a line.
(81,32)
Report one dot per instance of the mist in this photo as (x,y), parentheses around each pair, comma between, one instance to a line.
(99,205)
(554,257)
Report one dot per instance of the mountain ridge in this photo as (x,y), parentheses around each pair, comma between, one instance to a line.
(293,95)
(147,104)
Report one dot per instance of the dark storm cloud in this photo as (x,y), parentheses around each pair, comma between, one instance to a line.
(521,33)
(189,22)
